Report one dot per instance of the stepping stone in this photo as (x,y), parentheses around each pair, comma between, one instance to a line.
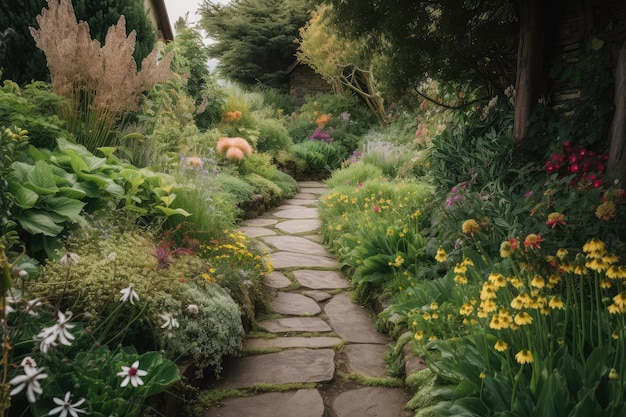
(305,196)
(352,322)
(294,304)
(282,260)
(286,367)
(319,280)
(316,190)
(276,280)
(259,222)
(297,244)
(296,213)
(253,231)
(308,184)
(318,296)
(367,359)
(299,226)
(301,403)
(295,324)
(300,202)
(372,402)
(291,342)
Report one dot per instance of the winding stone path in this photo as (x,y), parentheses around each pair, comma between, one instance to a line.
(317,336)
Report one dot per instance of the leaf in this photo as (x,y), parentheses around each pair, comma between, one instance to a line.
(107,150)
(41,179)
(170,212)
(72,192)
(39,223)
(22,196)
(66,207)
(77,163)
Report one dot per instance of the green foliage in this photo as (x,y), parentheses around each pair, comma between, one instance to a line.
(272,136)
(354,174)
(23,62)
(271,192)
(114,256)
(454,40)
(12,142)
(254,39)
(33,108)
(190,58)
(320,157)
(241,190)
(50,189)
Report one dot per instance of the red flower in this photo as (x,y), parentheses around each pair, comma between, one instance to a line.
(555,218)
(533,241)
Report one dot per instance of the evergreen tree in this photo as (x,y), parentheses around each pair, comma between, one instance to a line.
(23,62)
(255,39)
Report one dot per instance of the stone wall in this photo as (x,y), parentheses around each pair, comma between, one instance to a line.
(304,81)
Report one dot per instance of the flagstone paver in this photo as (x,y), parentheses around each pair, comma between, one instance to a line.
(299,226)
(297,213)
(285,367)
(320,280)
(314,315)
(300,403)
(302,260)
(351,321)
(297,244)
(294,304)
(295,324)
(276,280)
(292,342)
(253,231)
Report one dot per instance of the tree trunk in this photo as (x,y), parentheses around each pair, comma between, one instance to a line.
(532,52)
(617,139)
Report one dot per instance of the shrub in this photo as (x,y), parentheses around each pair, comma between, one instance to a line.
(354,174)
(320,157)
(241,190)
(272,136)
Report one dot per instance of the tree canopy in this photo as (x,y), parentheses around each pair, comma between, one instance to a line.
(255,39)
(472,41)
(23,62)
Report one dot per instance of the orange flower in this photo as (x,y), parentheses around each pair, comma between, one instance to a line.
(606,211)
(555,218)
(232,116)
(533,241)
(322,120)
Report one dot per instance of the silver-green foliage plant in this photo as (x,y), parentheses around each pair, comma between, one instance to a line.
(117,262)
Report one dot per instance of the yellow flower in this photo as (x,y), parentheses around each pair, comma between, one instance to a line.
(497,324)
(593,245)
(523,318)
(466,309)
(432,338)
(434,305)
(419,335)
(615,335)
(460,279)
(613,375)
(441,255)
(516,282)
(524,356)
(606,211)
(616,309)
(556,303)
(506,249)
(460,268)
(538,282)
(501,346)
(497,279)
(606,284)
(468,262)
(561,253)
(469,227)
(482,375)
(620,299)
(338,227)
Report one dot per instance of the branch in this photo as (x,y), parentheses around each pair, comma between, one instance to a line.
(447,106)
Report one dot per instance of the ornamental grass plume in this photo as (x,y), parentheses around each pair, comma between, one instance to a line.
(101,82)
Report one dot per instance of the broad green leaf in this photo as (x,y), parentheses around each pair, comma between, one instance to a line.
(41,179)
(64,206)
(107,150)
(100,180)
(22,196)
(72,192)
(170,212)
(39,223)
(168,199)
(77,162)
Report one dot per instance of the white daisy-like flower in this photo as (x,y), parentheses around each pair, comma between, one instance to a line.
(65,407)
(69,259)
(129,294)
(30,381)
(28,362)
(32,306)
(170,321)
(132,374)
(60,331)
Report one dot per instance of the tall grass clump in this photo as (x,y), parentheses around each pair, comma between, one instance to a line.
(102,83)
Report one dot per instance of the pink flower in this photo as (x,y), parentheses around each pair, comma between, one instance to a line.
(376,209)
